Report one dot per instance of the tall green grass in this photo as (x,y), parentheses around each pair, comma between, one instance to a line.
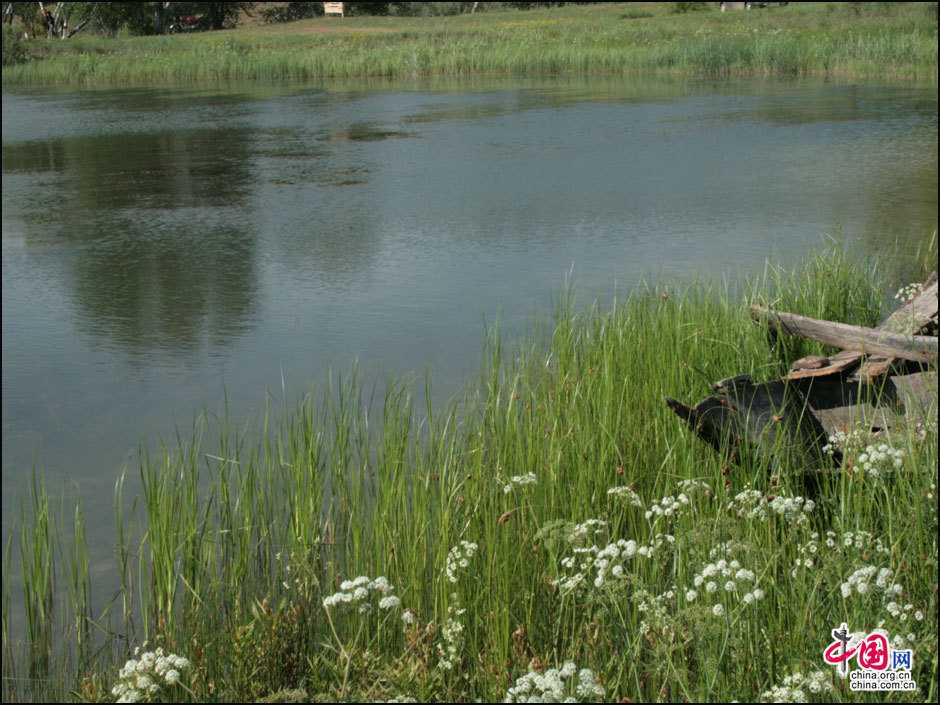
(230,552)
(804,39)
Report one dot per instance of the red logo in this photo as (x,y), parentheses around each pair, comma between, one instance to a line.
(872,652)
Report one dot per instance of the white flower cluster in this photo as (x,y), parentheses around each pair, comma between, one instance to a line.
(656,610)
(596,564)
(725,576)
(751,504)
(556,685)
(874,459)
(877,460)
(452,634)
(597,567)
(587,529)
(848,443)
(794,510)
(358,592)
(653,546)
(807,560)
(519,481)
(903,613)
(142,678)
(458,558)
(860,541)
(745,503)
(908,293)
(795,686)
(626,494)
(860,582)
(409,618)
(667,506)
(899,641)
(849,543)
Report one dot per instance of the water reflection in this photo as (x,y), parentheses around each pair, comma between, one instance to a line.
(900,211)
(364,132)
(197,168)
(169,290)
(830,104)
(162,253)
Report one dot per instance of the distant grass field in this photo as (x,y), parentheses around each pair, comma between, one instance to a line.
(560,518)
(863,40)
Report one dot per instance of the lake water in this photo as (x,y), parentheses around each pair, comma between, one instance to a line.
(162,248)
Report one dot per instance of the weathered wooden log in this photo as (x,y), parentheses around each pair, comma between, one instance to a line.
(917,317)
(895,404)
(919,348)
(844,361)
(811,362)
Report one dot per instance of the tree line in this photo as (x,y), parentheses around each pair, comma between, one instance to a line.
(66,19)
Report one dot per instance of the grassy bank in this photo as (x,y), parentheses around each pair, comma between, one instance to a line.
(486,525)
(836,39)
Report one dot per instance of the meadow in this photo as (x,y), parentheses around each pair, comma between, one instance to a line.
(556,532)
(848,40)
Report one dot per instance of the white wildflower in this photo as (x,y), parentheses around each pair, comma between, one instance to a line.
(389,602)
(359,592)
(144,677)
(556,686)
(627,494)
(458,558)
(519,481)
(452,637)
(794,687)
(908,293)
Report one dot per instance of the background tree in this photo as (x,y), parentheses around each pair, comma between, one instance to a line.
(66,19)
(224,14)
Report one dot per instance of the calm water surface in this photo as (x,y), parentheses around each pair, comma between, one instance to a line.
(162,247)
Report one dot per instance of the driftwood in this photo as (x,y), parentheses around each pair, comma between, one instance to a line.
(790,419)
(918,348)
(892,405)
(844,361)
(917,317)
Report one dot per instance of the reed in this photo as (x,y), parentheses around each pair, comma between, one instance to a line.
(803,39)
